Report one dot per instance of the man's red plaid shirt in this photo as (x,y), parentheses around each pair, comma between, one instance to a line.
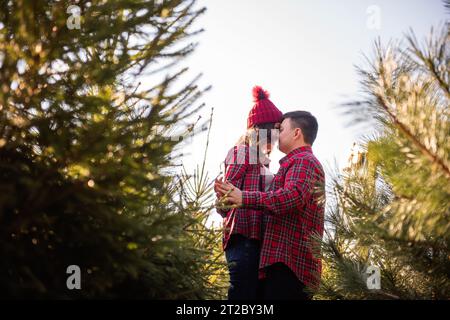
(294,215)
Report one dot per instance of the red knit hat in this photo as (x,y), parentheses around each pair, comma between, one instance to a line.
(264,110)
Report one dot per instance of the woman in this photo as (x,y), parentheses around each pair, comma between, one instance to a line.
(246,166)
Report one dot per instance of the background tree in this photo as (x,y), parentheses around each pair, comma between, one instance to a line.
(196,195)
(390,208)
(87,154)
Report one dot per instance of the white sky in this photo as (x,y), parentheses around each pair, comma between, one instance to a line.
(303,53)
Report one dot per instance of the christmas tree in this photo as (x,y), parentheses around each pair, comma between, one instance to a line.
(389,219)
(87,154)
(196,196)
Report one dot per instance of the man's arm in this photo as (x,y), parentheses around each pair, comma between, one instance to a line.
(297,190)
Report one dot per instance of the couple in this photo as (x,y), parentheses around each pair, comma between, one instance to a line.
(270,229)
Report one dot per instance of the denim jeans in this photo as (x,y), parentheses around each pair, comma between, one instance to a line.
(242,256)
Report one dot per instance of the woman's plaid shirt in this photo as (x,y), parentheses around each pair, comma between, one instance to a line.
(294,213)
(243,170)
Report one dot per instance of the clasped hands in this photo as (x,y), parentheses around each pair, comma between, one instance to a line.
(227,193)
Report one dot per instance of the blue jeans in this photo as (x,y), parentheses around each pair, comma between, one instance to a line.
(242,256)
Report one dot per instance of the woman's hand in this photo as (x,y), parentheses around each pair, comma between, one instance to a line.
(217,183)
(230,193)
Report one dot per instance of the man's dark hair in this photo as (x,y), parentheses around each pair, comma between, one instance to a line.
(306,122)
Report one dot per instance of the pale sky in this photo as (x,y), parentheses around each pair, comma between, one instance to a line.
(303,53)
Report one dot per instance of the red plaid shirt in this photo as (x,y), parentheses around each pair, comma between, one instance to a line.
(243,171)
(294,213)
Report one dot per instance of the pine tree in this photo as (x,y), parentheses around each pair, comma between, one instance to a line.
(390,208)
(87,154)
(196,196)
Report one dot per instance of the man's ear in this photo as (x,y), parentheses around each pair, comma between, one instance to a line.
(298,134)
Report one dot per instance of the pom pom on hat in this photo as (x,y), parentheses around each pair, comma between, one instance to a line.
(259,94)
(263,111)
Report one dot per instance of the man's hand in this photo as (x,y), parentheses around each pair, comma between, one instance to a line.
(230,193)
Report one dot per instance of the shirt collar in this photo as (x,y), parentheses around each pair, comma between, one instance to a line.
(294,152)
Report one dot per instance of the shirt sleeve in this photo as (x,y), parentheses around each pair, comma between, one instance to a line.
(297,190)
(236,164)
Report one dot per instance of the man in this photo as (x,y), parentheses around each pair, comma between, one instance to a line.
(293,212)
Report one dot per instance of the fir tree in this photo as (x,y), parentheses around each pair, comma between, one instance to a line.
(196,196)
(86,153)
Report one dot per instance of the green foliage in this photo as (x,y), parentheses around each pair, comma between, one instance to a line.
(391,209)
(86,157)
(196,196)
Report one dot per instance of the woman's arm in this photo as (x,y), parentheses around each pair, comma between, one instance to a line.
(236,164)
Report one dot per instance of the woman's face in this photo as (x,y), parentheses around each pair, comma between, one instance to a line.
(272,138)
(267,149)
